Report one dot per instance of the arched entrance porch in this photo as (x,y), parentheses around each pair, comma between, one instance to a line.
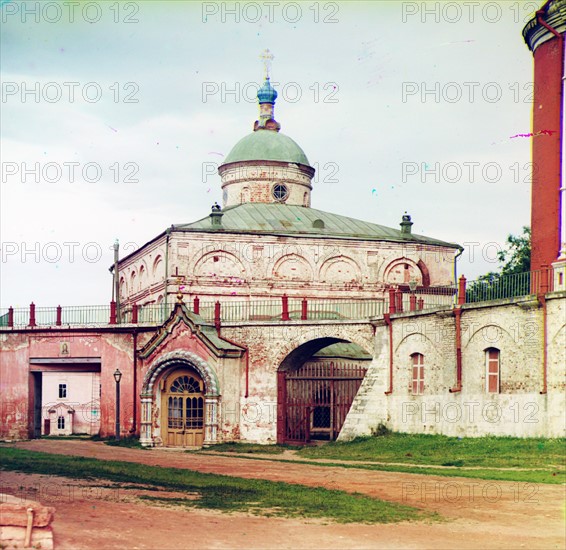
(179,402)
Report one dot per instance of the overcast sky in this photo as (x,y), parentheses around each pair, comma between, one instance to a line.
(127,108)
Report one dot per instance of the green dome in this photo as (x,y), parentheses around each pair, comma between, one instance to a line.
(267,145)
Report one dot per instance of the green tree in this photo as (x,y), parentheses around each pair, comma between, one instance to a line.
(515,259)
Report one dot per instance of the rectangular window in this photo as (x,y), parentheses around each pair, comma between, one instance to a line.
(62,391)
(418,374)
(61,423)
(492,375)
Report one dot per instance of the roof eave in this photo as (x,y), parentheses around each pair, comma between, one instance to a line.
(343,236)
(131,254)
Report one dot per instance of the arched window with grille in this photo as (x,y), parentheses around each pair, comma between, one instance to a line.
(417,385)
(492,367)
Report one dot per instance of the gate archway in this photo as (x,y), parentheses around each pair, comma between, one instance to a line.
(314,395)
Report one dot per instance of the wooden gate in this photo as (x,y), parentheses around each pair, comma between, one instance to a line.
(314,400)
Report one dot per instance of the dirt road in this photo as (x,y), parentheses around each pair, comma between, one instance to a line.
(479,514)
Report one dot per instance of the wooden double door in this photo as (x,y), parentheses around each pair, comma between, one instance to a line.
(182,406)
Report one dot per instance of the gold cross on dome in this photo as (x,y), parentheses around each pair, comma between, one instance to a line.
(267,57)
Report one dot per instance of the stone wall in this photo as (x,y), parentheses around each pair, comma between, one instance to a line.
(269,347)
(247,386)
(15,408)
(515,327)
(109,349)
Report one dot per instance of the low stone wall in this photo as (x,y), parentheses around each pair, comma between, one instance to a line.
(531,400)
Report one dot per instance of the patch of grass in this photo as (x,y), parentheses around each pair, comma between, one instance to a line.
(165,500)
(128,487)
(556,477)
(219,492)
(458,463)
(487,452)
(525,476)
(380,430)
(129,442)
(82,437)
(248,448)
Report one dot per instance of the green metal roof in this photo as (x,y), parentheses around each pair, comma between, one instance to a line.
(343,351)
(267,145)
(290,220)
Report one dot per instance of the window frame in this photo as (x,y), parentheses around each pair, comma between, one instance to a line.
(63,390)
(417,373)
(278,186)
(489,361)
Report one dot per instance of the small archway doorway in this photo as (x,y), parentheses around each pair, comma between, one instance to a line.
(182,409)
(155,413)
(316,386)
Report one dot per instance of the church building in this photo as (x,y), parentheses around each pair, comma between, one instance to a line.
(264,247)
(267,241)
(271,321)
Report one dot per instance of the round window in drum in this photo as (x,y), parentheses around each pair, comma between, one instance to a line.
(280,192)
